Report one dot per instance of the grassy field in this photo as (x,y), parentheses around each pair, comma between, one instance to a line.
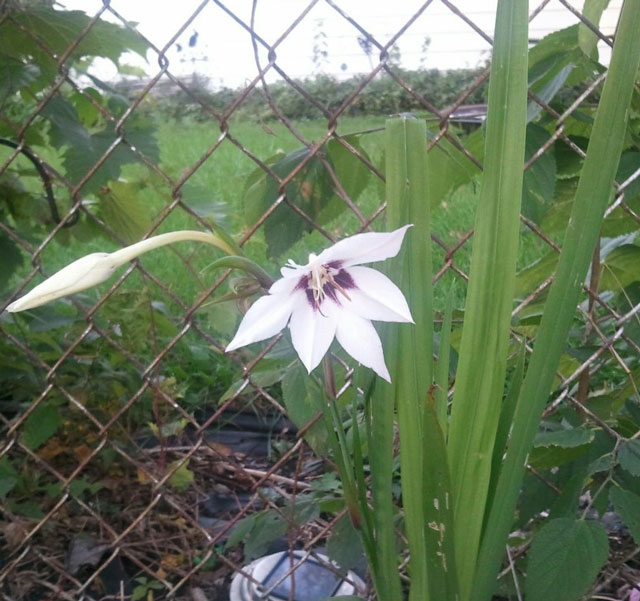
(217,188)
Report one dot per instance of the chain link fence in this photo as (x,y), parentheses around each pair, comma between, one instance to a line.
(95,508)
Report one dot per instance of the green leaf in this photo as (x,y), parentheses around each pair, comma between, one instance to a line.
(124,210)
(267,527)
(312,190)
(8,476)
(485,335)
(529,278)
(620,268)
(15,74)
(565,558)
(41,425)
(540,179)
(303,400)
(574,437)
(594,190)
(183,477)
(629,456)
(344,545)
(453,167)
(627,504)
(587,39)
(61,28)
(544,458)
(411,361)
(11,259)
(81,157)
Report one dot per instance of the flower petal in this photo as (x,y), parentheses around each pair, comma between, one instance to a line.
(359,338)
(312,332)
(376,296)
(265,318)
(364,248)
(287,284)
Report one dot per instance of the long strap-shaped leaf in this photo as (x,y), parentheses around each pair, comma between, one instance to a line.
(593,192)
(410,348)
(485,337)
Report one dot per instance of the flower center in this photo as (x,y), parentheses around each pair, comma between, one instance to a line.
(322,282)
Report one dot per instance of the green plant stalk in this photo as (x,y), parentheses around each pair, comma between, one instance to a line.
(485,336)
(592,195)
(410,348)
(438,510)
(348,477)
(441,369)
(233,262)
(504,425)
(387,579)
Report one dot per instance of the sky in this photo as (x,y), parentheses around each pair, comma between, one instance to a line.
(217,47)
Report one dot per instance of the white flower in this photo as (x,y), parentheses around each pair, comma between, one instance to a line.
(87,271)
(332,296)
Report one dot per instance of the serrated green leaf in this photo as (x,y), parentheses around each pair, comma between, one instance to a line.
(60,28)
(344,545)
(629,456)
(303,401)
(183,477)
(620,268)
(80,158)
(41,425)
(312,190)
(601,464)
(627,504)
(15,74)
(574,437)
(544,458)
(123,209)
(565,558)
(539,182)
(268,527)
(529,278)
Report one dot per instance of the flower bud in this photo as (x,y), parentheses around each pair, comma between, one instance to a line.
(81,274)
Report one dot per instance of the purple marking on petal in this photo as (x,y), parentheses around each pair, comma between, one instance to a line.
(330,292)
(311,299)
(303,282)
(334,264)
(344,280)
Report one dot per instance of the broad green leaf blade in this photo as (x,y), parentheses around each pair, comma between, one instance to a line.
(565,558)
(485,335)
(627,504)
(593,191)
(410,347)
(629,456)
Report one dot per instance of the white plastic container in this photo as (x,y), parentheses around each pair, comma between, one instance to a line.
(313,581)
